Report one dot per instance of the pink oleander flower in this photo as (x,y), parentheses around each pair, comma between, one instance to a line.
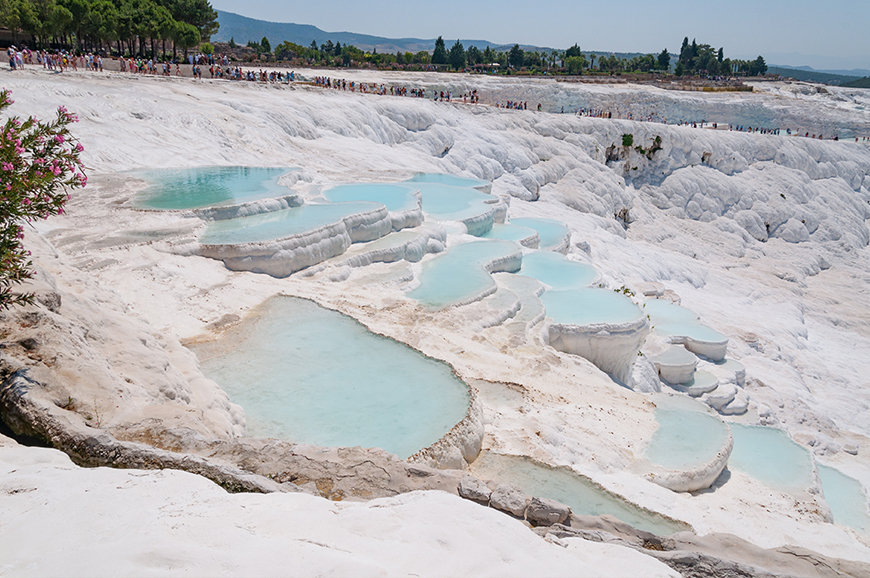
(7,166)
(25,202)
(79,147)
(59,138)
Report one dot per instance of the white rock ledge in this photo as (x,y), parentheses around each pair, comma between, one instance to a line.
(696,478)
(676,365)
(713,350)
(611,347)
(223,212)
(458,447)
(282,257)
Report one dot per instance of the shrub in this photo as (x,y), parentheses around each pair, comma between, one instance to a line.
(39,168)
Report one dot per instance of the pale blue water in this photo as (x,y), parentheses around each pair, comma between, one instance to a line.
(394,197)
(846,497)
(702,382)
(695,331)
(670,319)
(280,224)
(552,233)
(307,374)
(450,180)
(560,484)
(208,186)
(509,233)
(557,271)
(448,203)
(588,306)
(687,436)
(459,274)
(662,311)
(770,456)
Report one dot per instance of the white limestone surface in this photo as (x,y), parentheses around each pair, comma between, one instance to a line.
(72,521)
(797,315)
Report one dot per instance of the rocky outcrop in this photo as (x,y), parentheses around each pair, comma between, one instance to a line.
(709,556)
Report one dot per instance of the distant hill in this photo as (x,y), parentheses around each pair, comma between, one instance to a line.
(858,72)
(242,29)
(807,74)
(858,83)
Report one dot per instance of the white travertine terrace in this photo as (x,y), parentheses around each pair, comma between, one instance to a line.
(282,257)
(676,365)
(612,347)
(695,478)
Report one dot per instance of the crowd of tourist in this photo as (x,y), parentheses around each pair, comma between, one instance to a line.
(219,67)
(470,97)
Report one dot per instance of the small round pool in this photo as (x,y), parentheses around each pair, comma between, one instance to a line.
(460,274)
(394,197)
(451,180)
(583,307)
(194,188)
(770,456)
(557,271)
(554,235)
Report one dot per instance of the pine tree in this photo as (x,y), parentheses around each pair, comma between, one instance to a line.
(664,60)
(457,56)
(439,55)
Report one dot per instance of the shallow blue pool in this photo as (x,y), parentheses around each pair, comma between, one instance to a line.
(672,320)
(450,180)
(584,497)
(662,311)
(847,499)
(552,233)
(174,189)
(459,274)
(307,374)
(510,233)
(557,271)
(394,197)
(770,456)
(280,224)
(688,435)
(448,203)
(589,306)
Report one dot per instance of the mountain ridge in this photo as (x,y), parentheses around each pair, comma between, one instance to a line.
(242,29)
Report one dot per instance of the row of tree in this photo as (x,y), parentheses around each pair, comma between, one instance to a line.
(132,26)
(693,58)
(703,59)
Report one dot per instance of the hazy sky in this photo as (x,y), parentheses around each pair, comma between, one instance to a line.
(819,34)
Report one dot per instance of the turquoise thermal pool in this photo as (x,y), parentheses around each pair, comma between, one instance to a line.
(589,306)
(557,271)
(561,484)
(394,197)
(553,233)
(847,499)
(672,320)
(460,274)
(175,189)
(447,203)
(450,180)
(515,233)
(688,435)
(280,224)
(307,374)
(771,457)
